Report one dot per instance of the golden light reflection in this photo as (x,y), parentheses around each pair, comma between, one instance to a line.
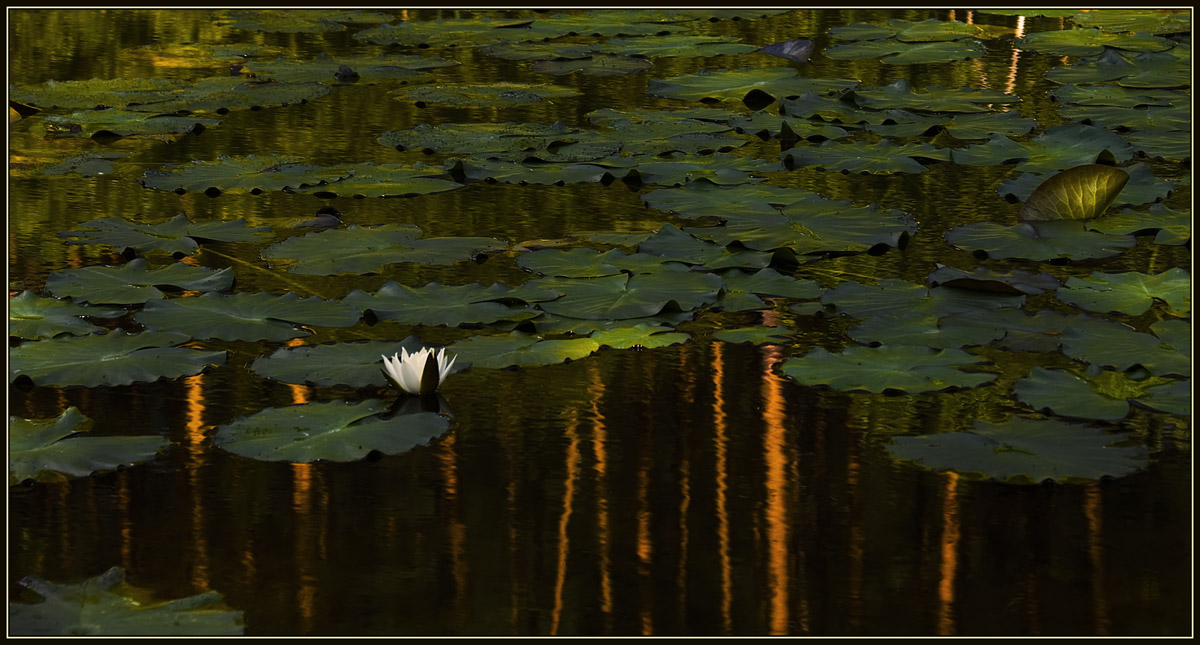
(193,437)
(685,494)
(949,567)
(775,457)
(721,446)
(448,457)
(645,548)
(600,450)
(306,593)
(1092,509)
(564,520)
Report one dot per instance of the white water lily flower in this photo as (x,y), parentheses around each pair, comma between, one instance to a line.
(405,369)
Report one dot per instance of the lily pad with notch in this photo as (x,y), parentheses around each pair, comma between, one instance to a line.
(360,250)
(928,330)
(1090,42)
(51,450)
(631,296)
(115,358)
(1166,352)
(1067,395)
(33,317)
(1130,293)
(1059,148)
(597,65)
(892,296)
(329,431)
(756,335)
(1172,398)
(520,349)
(1040,241)
(179,235)
(1013,282)
(934,98)
(384,180)
(355,364)
(479,95)
(908,368)
(133,283)
(881,158)
(714,86)
(898,52)
(669,45)
(641,335)
(438,304)
(117,123)
(253,174)
(292,21)
(246,316)
(1173,227)
(674,245)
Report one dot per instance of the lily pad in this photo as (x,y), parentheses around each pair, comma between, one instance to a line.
(902,123)
(1173,398)
(1142,187)
(332,431)
(245,316)
(106,606)
(574,263)
(356,364)
(1013,282)
(304,21)
(50,450)
(690,45)
(1164,353)
(463,32)
(253,174)
(362,250)
(909,368)
(476,95)
(1089,42)
(1174,227)
(674,245)
(797,50)
(931,30)
(1130,293)
(598,65)
(756,335)
(776,82)
(1067,395)
(1059,148)
(122,123)
(506,141)
(1083,192)
(438,304)
(115,358)
(882,158)
(518,348)
(934,98)
(32,317)
(1049,240)
(1152,21)
(1028,450)
(408,67)
(95,93)
(769,282)
(384,180)
(891,296)
(625,296)
(641,335)
(897,52)
(1145,70)
(133,283)
(88,164)
(177,235)
(924,330)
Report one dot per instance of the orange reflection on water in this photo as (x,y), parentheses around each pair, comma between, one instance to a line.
(306,593)
(645,548)
(775,457)
(949,568)
(194,439)
(564,542)
(600,450)
(721,446)
(1092,509)
(448,457)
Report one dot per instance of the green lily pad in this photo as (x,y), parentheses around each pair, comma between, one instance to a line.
(689,45)
(115,358)
(95,93)
(1059,148)
(924,330)
(934,98)
(356,364)
(1166,352)
(253,174)
(304,21)
(777,82)
(882,158)
(930,30)
(573,263)
(535,172)
(1028,450)
(88,164)
(703,200)
(332,431)
(122,123)
(1047,240)
(245,316)
(1174,227)
(222,93)
(506,141)
(133,283)
(539,51)
(909,368)
(626,296)
(32,317)
(1082,192)
(897,52)
(1089,42)
(50,450)
(177,235)
(674,245)
(438,304)
(1152,21)
(384,180)
(475,95)
(598,65)
(902,123)
(1130,293)
(362,250)
(769,282)
(641,335)
(1067,395)
(1173,398)
(1013,282)
(1145,70)
(518,348)
(1167,145)
(106,606)
(464,32)
(1116,96)
(890,297)
(408,67)
(1146,119)
(755,335)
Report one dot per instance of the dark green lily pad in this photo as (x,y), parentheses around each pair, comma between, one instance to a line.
(50,450)
(1067,395)
(1026,450)
(931,30)
(721,85)
(438,304)
(177,235)
(133,283)
(897,52)
(252,174)
(641,335)
(578,262)
(1142,187)
(1082,192)
(755,335)
(94,93)
(769,282)
(719,169)
(909,368)
(1130,293)
(475,95)
(122,123)
(1152,21)
(106,606)
(385,180)
(245,316)
(689,45)
(506,141)
(902,123)
(408,67)
(539,51)
(88,164)
(1145,70)
(465,32)
(703,200)
(115,358)
(1047,240)
(1169,145)
(598,65)
(934,98)
(518,348)
(32,317)
(882,158)
(1174,227)
(890,297)
(300,21)
(223,93)
(1059,148)
(1089,42)
(1167,352)
(535,172)
(674,245)
(332,431)
(1013,282)
(1146,119)
(362,250)
(356,364)
(625,296)
(1173,398)
(925,330)
(1116,96)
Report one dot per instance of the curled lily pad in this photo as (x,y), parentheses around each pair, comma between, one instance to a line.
(361,250)
(54,449)
(356,364)
(177,235)
(1068,395)
(115,358)
(797,50)
(1142,187)
(133,283)
(518,348)
(32,317)
(332,431)
(105,606)
(1083,192)
(495,95)
(1130,293)
(247,174)
(245,316)
(1020,449)
(1047,240)
(909,368)
(438,304)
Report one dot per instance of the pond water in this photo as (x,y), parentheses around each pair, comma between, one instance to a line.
(693,488)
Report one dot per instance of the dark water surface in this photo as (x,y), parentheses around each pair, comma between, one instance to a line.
(691,489)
